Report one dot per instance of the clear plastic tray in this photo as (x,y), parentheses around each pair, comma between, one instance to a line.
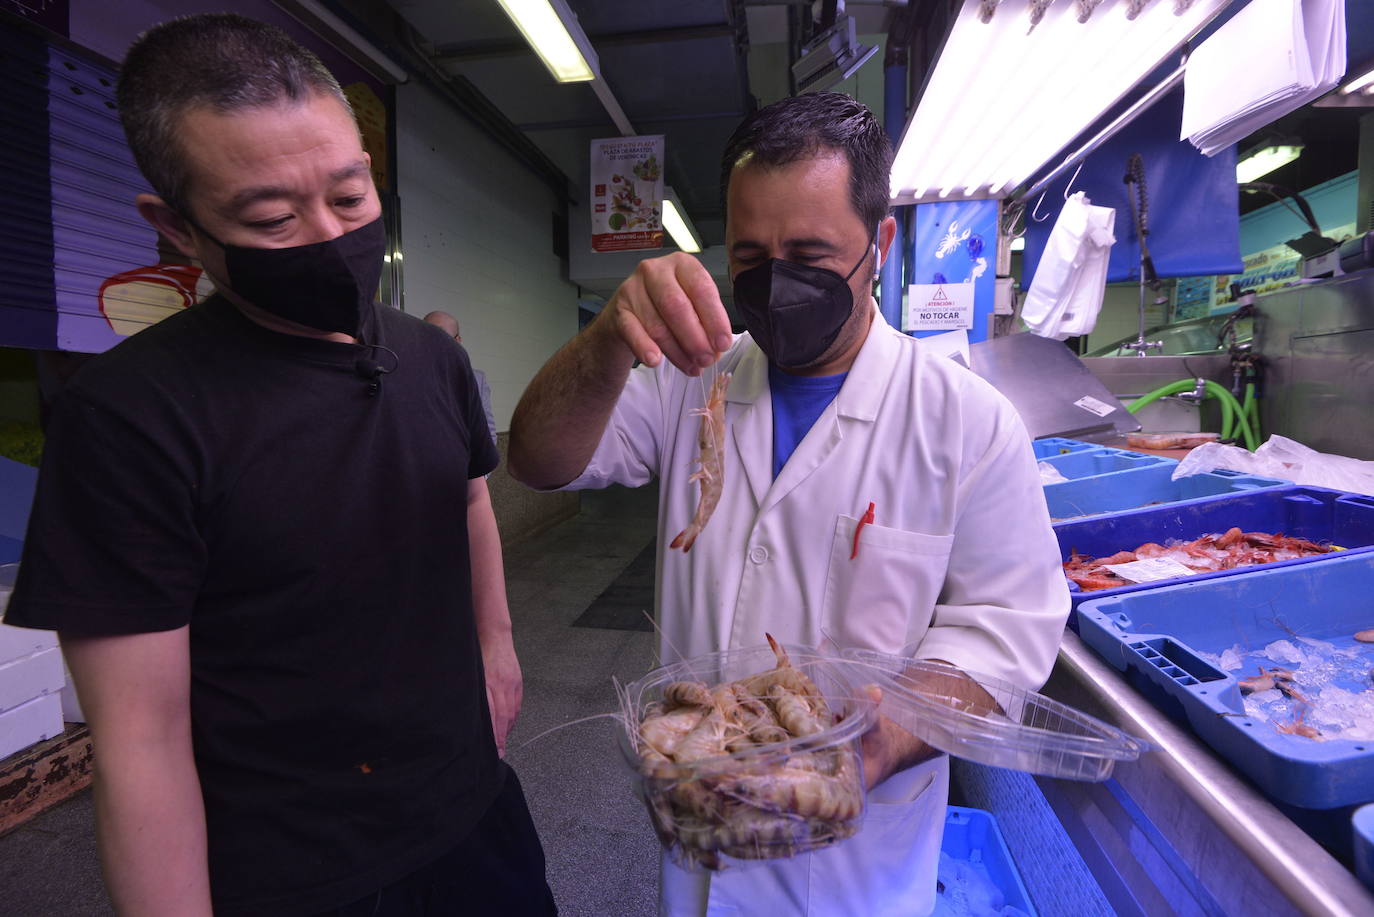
(762,802)
(1003,726)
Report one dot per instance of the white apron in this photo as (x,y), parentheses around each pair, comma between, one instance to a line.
(886,870)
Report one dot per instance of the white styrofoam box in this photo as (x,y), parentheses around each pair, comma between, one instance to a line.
(30,723)
(16,642)
(31,676)
(71,706)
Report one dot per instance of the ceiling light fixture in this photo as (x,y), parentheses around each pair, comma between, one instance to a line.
(1002,103)
(1363,83)
(553,32)
(677,225)
(1265,159)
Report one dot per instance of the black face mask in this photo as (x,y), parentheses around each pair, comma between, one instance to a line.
(794,312)
(327,285)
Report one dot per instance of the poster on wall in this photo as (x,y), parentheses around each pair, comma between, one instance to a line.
(954,249)
(627,194)
(1268,270)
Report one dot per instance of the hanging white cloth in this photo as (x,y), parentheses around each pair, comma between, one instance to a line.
(1066,294)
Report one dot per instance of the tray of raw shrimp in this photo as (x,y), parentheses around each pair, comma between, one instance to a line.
(747,755)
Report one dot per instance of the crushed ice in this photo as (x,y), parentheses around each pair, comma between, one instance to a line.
(965,891)
(1332,687)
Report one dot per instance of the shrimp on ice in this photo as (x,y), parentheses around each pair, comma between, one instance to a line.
(711,461)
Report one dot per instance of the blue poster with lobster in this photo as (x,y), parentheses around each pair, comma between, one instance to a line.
(955,242)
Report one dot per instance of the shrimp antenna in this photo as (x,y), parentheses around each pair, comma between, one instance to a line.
(664,637)
(619,717)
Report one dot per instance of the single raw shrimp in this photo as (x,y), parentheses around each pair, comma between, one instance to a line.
(710,462)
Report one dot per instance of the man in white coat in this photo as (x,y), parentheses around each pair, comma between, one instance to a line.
(841,432)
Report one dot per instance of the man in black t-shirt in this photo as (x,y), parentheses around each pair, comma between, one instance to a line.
(263,534)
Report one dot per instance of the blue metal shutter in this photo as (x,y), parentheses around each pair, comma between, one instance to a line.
(77,225)
(27,318)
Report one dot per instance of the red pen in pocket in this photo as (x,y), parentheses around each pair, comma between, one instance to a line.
(866,520)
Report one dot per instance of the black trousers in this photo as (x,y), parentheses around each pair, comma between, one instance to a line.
(497,869)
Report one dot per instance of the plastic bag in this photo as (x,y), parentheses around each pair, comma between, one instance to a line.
(1070,281)
(1050,474)
(1286,459)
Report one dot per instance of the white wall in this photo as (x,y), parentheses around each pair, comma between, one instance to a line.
(1120,315)
(476,232)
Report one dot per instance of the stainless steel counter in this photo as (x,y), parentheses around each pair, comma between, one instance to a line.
(1179,831)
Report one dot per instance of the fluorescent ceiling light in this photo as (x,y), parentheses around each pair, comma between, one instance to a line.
(1002,103)
(552,31)
(1265,160)
(676,223)
(1364,83)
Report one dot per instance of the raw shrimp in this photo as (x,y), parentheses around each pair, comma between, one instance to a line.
(1298,727)
(706,740)
(794,713)
(710,462)
(1266,679)
(760,726)
(779,805)
(664,733)
(1226,551)
(787,675)
(799,791)
(687,694)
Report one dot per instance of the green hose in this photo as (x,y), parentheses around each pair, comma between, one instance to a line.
(1252,410)
(1232,413)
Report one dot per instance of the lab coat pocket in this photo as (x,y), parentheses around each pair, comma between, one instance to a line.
(889,868)
(882,597)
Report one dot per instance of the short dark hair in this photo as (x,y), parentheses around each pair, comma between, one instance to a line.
(802,126)
(221,61)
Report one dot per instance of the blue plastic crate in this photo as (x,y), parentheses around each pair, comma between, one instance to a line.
(1143,487)
(1362,826)
(1156,636)
(1058,445)
(972,836)
(1314,513)
(1093,463)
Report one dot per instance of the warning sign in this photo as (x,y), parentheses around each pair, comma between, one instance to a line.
(938,307)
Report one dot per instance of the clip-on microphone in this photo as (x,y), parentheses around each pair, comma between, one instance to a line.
(372,371)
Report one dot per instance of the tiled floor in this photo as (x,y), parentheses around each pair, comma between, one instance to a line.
(602,855)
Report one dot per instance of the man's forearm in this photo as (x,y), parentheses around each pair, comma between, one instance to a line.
(560,418)
(490,610)
(491,614)
(150,824)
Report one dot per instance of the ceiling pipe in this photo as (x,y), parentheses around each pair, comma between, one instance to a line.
(895,63)
(612,106)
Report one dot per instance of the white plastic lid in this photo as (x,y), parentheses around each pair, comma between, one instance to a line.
(1009,727)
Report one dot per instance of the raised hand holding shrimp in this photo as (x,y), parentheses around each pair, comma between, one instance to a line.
(710,473)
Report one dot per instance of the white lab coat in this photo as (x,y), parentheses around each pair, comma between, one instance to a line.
(960,559)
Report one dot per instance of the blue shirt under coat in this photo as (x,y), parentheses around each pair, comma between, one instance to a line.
(797,402)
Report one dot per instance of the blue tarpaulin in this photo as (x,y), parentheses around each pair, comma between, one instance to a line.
(1193,212)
